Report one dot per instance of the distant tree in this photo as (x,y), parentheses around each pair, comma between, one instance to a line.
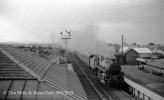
(21,47)
(40,51)
(46,52)
(39,47)
(110,44)
(134,44)
(30,49)
(151,44)
(50,48)
(33,46)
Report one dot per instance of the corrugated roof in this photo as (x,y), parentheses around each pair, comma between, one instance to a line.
(28,86)
(142,50)
(10,70)
(30,62)
(46,71)
(138,50)
(65,81)
(124,49)
(14,78)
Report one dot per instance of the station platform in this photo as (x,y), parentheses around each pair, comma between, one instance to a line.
(144,85)
(68,67)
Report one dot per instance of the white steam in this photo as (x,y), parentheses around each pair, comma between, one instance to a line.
(85,40)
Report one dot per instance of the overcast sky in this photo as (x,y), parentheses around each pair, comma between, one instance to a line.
(140,21)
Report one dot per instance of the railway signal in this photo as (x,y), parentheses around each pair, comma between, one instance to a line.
(66,38)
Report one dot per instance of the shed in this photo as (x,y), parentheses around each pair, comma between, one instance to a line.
(143,52)
(130,55)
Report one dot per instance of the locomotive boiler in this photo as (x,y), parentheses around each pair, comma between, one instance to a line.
(107,70)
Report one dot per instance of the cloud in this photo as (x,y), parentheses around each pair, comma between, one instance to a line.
(8,32)
(38,19)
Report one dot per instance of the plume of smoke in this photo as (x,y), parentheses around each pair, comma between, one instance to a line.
(85,40)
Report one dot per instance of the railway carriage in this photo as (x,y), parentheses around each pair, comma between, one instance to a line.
(106,70)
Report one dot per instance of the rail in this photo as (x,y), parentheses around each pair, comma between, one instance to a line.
(102,90)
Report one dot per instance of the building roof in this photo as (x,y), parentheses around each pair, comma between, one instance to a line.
(137,49)
(27,86)
(142,50)
(10,70)
(37,70)
(14,78)
(125,49)
(161,48)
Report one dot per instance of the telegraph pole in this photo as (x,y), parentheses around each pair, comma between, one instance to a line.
(122,43)
(122,52)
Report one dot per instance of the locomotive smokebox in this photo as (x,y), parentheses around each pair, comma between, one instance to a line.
(114,69)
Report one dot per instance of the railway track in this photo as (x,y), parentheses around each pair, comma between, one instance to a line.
(90,90)
(92,86)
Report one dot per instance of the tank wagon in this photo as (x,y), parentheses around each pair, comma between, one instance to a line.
(106,70)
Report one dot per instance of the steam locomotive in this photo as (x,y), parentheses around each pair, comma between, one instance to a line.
(106,70)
